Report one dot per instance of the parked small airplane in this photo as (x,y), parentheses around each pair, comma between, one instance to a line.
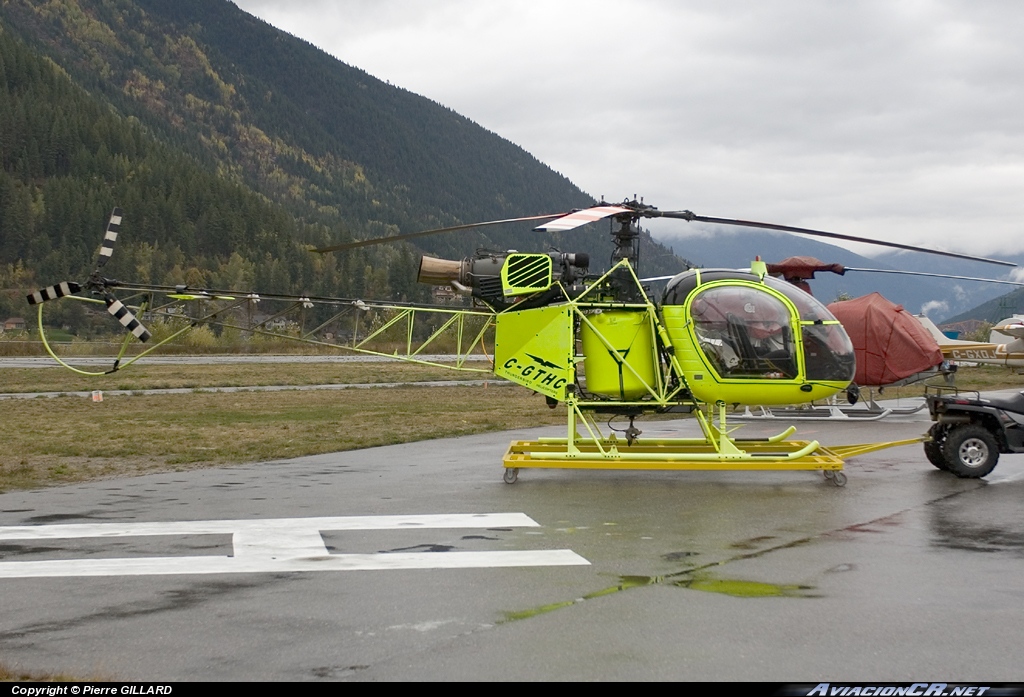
(1009,354)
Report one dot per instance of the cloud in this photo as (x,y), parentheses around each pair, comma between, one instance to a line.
(880,119)
(940,306)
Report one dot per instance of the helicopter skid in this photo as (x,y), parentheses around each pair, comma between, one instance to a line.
(813,414)
(872,412)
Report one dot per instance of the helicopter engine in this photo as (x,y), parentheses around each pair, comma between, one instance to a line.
(500,279)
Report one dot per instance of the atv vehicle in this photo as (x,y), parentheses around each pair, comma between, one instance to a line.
(969,434)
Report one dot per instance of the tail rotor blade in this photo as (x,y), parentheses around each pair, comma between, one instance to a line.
(95,282)
(123,315)
(54,292)
(107,248)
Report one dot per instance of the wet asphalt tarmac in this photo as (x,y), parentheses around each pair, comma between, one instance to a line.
(905,574)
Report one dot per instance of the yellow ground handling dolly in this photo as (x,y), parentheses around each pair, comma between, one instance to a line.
(716,451)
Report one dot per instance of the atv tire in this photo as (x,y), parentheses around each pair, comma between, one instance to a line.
(933,448)
(970,451)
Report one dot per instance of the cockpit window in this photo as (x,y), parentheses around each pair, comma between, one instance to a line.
(828,353)
(744,332)
(809,308)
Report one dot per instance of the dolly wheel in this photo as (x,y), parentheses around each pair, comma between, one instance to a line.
(511,475)
(971,451)
(839,478)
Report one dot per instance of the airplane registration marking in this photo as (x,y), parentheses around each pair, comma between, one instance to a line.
(278,545)
(975,354)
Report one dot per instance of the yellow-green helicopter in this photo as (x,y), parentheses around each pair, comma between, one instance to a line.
(600,344)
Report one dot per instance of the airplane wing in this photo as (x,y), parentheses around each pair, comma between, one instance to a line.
(1016,330)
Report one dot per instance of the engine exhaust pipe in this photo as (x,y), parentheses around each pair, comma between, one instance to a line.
(441,272)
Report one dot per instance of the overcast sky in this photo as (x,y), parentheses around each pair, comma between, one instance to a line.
(900,120)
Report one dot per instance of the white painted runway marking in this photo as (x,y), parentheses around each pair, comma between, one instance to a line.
(278,545)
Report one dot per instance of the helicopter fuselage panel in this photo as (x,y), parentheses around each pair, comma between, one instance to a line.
(534,348)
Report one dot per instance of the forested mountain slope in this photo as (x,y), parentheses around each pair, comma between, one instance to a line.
(231,146)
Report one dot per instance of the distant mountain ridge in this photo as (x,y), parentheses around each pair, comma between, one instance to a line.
(735,247)
(994,310)
(231,146)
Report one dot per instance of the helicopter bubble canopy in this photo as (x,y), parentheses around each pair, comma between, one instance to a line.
(681,285)
(748,339)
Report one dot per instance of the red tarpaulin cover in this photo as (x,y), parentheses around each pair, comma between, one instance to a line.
(889,343)
(797,270)
(802,267)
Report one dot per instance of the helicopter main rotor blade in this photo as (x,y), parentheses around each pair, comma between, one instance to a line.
(579,218)
(936,275)
(690,216)
(423,233)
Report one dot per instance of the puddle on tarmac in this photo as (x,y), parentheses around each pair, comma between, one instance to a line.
(696,578)
(676,556)
(727,586)
(746,589)
(752,543)
(965,529)
(734,587)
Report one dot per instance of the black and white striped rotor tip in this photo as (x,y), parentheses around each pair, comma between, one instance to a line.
(126,318)
(53,292)
(107,248)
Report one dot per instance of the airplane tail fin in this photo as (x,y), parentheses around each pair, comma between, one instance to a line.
(941,339)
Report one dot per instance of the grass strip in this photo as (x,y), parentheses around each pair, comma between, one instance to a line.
(145,377)
(52,441)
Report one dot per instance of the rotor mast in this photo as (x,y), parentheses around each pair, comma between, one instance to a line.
(626,240)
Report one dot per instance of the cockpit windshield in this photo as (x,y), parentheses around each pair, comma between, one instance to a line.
(744,332)
(828,353)
(810,309)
